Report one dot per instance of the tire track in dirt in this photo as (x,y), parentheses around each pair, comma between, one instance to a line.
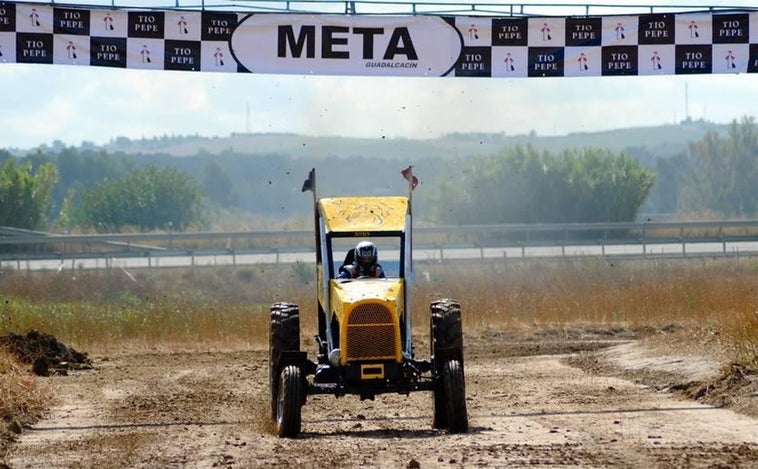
(211,410)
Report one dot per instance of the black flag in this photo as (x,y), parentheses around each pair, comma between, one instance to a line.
(310,183)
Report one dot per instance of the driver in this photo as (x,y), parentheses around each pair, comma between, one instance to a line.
(364,264)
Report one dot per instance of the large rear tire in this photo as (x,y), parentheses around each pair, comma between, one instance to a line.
(289,402)
(284,335)
(439,421)
(447,329)
(446,344)
(454,391)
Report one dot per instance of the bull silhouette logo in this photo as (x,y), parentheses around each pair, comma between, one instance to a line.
(546,32)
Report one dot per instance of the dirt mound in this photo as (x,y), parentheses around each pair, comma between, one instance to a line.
(733,386)
(45,353)
(736,386)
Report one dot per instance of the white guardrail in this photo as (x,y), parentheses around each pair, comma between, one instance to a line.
(22,249)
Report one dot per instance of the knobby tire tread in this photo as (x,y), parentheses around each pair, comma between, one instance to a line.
(284,335)
(290,400)
(447,331)
(455,396)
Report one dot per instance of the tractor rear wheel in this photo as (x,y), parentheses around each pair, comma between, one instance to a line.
(289,402)
(284,335)
(454,391)
(447,331)
(439,420)
(446,346)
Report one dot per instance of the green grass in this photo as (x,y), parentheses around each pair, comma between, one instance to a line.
(107,310)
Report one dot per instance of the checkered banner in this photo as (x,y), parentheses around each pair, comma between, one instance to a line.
(423,45)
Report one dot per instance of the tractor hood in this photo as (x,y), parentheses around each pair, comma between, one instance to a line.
(345,294)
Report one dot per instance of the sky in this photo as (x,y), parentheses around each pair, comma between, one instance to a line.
(40,104)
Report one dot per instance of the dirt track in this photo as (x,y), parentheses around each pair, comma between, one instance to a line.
(526,407)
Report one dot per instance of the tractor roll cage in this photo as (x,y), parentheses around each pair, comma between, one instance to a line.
(378,217)
(370,234)
(403,267)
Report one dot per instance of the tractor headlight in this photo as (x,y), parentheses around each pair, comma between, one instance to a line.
(334,357)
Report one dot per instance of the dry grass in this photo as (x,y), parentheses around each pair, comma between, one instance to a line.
(599,293)
(740,337)
(23,398)
(22,394)
(713,299)
(228,307)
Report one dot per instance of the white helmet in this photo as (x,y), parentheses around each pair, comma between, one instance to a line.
(365,255)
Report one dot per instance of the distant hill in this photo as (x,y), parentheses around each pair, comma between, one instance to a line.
(264,172)
(662,141)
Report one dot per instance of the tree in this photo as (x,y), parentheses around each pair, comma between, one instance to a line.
(218,185)
(722,173)
(664,196)
(524,185)
(149,198)
(606,187)
(25,194)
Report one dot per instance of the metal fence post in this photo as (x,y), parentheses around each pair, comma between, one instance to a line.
(563,243)
(644,246)
(723,241)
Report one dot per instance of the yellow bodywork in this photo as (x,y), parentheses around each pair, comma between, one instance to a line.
(364,214)
(368,312)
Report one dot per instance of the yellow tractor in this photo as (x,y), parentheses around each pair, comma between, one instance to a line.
(365,345)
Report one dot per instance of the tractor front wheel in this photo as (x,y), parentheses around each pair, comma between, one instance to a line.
(439,420)
(454,396)
(289,402)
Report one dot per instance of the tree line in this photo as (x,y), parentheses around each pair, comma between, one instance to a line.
(90,189)
(523,185)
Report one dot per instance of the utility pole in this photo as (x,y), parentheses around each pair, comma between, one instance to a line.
(686,102)
(247,118)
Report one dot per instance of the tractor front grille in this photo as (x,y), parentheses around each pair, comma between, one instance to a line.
(371,333)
